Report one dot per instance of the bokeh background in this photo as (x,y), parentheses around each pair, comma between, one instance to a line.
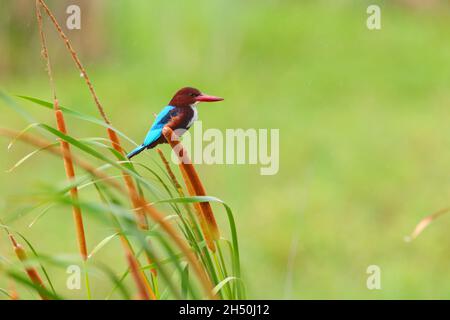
(363,118)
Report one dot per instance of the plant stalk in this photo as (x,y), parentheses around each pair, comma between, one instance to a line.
(195,188)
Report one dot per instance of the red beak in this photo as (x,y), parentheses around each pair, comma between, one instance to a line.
(206,98)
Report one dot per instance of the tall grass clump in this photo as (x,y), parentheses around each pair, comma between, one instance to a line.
(175,253)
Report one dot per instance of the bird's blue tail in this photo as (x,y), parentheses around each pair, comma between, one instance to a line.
(136,151)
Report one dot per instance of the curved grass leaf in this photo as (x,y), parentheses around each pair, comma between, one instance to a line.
(21,133)
(41,214)
(6,293)
(84,147)
(222,283)
(29,155)
(19,277)
(77,114)
(13,105)
(425,222)
(101,244)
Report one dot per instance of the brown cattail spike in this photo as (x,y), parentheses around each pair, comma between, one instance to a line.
(65,147)
(111,133)
(31,271)
(70,173)
(194,186)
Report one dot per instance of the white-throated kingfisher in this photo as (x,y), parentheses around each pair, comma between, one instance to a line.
(180,113)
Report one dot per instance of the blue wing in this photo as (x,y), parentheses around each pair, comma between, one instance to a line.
(161,120)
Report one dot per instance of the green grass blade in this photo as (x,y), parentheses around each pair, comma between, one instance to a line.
(76,114)
(185,282)
(233,231)
(14,106)
(19,277)
(101,244)
(6,293)
(29,155)
(225,281)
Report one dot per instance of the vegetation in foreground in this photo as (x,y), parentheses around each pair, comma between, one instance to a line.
(176,252)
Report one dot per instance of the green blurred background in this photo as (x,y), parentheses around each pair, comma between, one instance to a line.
(363,118)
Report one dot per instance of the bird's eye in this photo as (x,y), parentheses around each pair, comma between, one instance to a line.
(192,94)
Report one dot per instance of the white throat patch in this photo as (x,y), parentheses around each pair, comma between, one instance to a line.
(194,117)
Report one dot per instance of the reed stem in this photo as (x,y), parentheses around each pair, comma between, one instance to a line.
(115,142)
(144,288)
(180,191)
(67,159)
(70,173)
(195,188)
(113,137)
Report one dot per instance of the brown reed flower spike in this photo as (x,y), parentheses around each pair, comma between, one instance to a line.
(114,139)
(31,271)
(67,159)
(195,188)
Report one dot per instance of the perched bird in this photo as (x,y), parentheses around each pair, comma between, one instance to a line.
(180,113)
